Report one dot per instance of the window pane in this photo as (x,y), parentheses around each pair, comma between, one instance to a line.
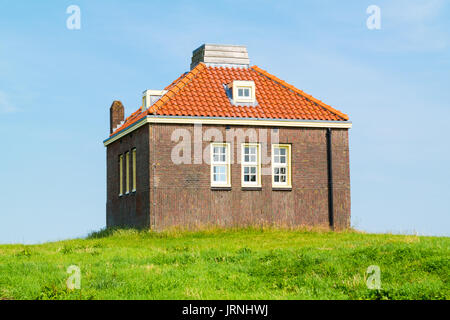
(219,173)
(283,151)
(220,169)
(282,159)
(247,92)
(240,92)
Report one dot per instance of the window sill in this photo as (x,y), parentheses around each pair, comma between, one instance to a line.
(224,188)
(282,188)
(251,188)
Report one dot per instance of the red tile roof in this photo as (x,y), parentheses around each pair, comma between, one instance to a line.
(201,92)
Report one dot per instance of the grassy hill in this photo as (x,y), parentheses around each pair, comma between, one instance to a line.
(228,264)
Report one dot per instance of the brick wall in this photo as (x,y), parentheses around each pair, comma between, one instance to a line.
(180,195)
(183,197)
(133,209)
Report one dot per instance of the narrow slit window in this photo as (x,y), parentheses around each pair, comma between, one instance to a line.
(120,174)
(133,160)
(127,172)
(220,165)
(281,165)
(251,165)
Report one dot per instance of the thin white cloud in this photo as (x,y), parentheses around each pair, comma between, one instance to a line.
(413,26)
(5,105)
(418,11)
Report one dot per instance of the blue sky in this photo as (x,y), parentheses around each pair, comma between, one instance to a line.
(56,86)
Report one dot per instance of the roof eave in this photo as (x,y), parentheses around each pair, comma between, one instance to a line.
(229,121)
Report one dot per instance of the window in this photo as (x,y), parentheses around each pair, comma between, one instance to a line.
(251,165)
(133,160)
(243,91)
(127,173)
(220,165)
(281,165)
(121,175)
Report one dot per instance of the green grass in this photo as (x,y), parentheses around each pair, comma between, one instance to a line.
(228,264)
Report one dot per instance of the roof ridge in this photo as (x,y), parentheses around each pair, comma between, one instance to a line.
(301,92)
(174,82)
(177,87)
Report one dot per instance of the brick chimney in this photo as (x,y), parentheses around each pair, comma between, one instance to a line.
(116,115)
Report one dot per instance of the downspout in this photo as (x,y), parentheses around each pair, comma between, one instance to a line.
(330,180)
(154,175)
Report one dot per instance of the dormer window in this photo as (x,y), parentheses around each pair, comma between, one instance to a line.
(149,97)
(243,92)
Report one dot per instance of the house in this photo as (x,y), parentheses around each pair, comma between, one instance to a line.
(227,144)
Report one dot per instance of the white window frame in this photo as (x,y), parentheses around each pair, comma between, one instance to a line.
(243,90)
(241,84)
(226,163)
(287,165)
(120,175)
(133,170)
(127,172)
(256,164)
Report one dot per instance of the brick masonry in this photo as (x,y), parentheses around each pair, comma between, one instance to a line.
(116,115)
(180,195)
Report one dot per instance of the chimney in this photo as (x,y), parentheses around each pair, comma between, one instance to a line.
(116,115)
(220,54)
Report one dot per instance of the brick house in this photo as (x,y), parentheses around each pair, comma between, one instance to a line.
(227,144)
